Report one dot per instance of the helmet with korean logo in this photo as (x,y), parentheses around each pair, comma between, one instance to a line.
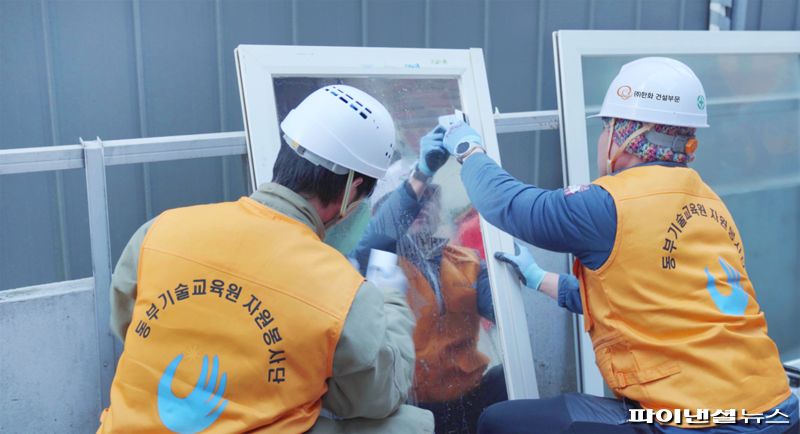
(656,90)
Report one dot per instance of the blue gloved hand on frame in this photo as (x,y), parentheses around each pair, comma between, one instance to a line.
(524,266)
(460,138)
(432,154)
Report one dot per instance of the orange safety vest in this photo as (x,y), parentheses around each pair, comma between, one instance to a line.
(672,314)
(238,313)
(448,361)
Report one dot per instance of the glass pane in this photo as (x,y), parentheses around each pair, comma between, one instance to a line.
(751,157)
(458,369)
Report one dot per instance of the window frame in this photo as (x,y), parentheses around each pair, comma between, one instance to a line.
(259,65)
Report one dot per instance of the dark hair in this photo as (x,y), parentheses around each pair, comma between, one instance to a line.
(302,176)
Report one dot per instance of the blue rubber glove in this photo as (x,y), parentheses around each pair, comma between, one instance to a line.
(526,269)
(460,137)
(432,154)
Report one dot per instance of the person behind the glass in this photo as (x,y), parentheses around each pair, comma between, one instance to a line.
(666,298)
(448,292)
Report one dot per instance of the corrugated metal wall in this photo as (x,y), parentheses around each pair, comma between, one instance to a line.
(124,69)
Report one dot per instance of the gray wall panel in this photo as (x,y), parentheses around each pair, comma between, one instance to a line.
(248,22)
(753,19)
(28,231)
(773,15)
(245,22)
(126,200)
(180,74)
(187,84)
(93,83)
(395,23)
(326,22)
(95,71)
(24,105)
(513,47)
(661,14)
(181,85)
(779,15)
(28,228)
(76,219)
(471,19)
(695,16)
(556,16)
(97,95)
(626,13)
(186,182)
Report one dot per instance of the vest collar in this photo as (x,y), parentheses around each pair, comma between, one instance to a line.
(291,204)
(652,163)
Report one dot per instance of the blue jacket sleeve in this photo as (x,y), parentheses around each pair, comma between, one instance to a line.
(581,221)
(389,223)
(485,304)
(569,293)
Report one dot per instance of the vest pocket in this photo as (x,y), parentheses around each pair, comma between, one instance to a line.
(621,369)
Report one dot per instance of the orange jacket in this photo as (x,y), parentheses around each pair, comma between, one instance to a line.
(237,317)
(448,361)
(672,314)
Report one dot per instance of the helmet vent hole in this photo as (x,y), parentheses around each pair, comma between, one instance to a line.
(336,92)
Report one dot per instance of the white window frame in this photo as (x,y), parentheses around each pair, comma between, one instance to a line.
(569,48)
(259,65)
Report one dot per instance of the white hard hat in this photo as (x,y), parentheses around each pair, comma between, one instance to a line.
(657,90)
(342,128)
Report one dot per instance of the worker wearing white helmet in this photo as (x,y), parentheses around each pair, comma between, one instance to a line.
(448,292)
(249,292)
(659,271)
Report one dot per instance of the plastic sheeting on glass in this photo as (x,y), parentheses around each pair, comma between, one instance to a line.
(750,156)
(458,370)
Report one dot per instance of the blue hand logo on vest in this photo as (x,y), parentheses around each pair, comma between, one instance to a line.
(734,303)
(195,412)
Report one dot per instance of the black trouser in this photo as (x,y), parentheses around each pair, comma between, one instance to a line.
(460,416)
(572,413)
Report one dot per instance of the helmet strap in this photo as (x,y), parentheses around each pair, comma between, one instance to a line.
(346,199)
(609,163)
(611,160)
(346,208)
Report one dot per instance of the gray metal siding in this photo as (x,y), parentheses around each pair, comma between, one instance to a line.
(121,69)
(772,15)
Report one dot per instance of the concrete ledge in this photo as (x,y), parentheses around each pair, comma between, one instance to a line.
(46,290)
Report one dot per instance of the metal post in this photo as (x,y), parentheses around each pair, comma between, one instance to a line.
(739,15)
(99,234)
(719,14)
